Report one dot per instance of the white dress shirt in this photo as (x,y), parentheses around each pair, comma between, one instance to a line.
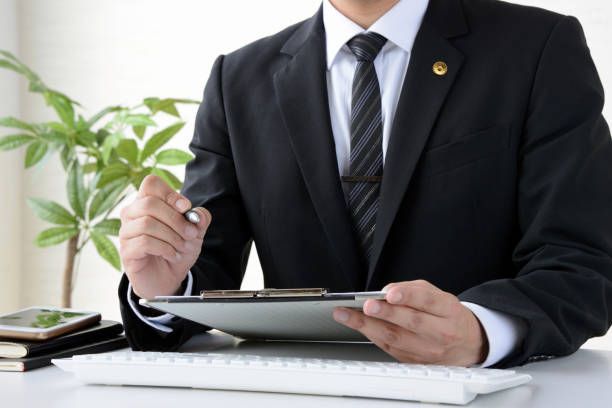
(400,26)
(158,322)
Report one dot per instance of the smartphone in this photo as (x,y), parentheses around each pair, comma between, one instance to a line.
(42,323)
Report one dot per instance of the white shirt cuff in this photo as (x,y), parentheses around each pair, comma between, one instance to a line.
(503,331)
(158,322)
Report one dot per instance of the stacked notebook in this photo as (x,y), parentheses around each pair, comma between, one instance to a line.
(22,355)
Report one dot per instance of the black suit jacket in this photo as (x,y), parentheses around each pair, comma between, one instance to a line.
(497,184)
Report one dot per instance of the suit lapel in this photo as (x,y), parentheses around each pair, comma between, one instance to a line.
(421,98)
(301,92)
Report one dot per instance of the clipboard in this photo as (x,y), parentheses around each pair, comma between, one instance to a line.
(269,314)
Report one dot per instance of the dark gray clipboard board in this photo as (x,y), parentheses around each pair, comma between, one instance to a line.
(301,318)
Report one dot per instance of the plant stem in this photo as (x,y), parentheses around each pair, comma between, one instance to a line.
(71,252)
(82,244)
(77,261)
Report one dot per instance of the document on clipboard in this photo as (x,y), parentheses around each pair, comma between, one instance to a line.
(269,314)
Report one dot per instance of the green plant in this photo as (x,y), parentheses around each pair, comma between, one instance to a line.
(106,157)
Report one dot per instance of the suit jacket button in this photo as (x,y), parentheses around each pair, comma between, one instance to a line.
(440,68)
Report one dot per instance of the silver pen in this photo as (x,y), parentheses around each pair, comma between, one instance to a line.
(192,216)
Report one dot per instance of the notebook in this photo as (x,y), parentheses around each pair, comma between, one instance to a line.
(28,363)
(11,348)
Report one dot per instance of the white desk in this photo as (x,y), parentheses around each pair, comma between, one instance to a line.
(583,379)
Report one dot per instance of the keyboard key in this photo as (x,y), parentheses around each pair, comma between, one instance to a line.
(220,362)
(457,375)
(437,373)
(202,361)
(164,360)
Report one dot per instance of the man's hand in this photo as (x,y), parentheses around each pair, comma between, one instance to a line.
(419,323)
(157,244)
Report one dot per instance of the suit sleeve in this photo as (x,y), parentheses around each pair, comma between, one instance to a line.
(563,286)
(210,182)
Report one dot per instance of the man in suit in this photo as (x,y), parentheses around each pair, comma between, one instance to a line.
(452,152)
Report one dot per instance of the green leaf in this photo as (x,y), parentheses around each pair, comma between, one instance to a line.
(51,211)
(10,65)
(187,101)
(71,101)
(172,157)
(62,106)
(139,131)
(90,168)
(151,103)
(8,55)
(54,137)
(138,120)
(37,86)
(40,127)
(93,183)
(86,138)
(12,122)
(106,249)
(108,227)
(113,172)
(57,126)
(77,195)
(101,136)
(14,141)
(55,235)
(168,177)
(128,149)
(81,124)
(138,177)
(110,143)
(167,105)
(95,118)
(35,152)
(105,197)
(159,139)
(32,77)
(67,156)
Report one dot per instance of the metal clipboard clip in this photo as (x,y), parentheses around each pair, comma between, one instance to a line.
(263,293)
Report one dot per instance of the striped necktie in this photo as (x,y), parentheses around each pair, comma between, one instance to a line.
(366,161)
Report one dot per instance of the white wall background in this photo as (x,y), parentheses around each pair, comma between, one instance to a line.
(11,173)
(108,52)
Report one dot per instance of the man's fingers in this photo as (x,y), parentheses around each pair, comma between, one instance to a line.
(143,245)
(418,282)
(154,207)
(424,324)
(154,186)
(422,297)
(386,335)
(148,225)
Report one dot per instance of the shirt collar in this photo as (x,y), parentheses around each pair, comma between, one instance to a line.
(399,25)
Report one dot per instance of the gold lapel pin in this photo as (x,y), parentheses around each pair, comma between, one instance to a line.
(440,68)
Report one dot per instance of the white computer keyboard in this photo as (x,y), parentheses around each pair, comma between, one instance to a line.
(428,383)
